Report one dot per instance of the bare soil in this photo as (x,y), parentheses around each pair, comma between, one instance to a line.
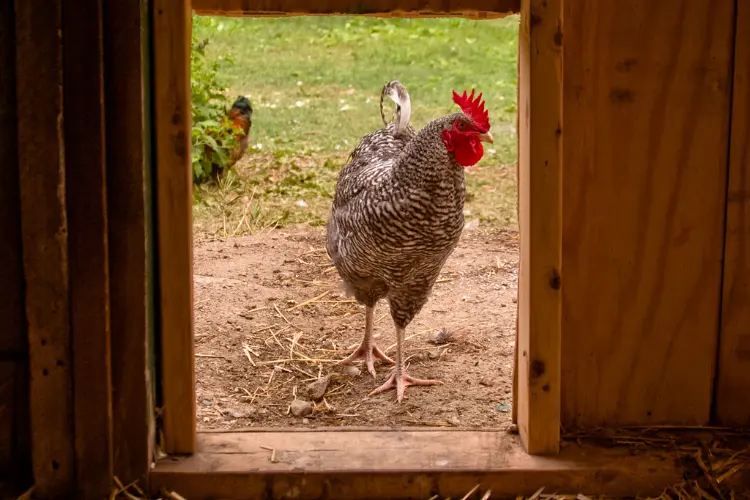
(271,320)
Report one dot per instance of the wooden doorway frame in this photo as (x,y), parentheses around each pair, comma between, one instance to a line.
(537,375)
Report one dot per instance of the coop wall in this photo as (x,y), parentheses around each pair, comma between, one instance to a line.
(15,460)
(648,107)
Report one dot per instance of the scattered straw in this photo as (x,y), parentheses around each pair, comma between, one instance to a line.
(210,356)
(285,319)
(307,302)
(471,492)
(272,458)
(247,351)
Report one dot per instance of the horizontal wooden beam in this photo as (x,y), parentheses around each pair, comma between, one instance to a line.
(393,8)
(401,464)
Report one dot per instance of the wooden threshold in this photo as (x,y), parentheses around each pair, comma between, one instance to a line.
(407,464)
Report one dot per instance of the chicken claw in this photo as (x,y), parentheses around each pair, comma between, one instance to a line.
(369,353)
(400,380)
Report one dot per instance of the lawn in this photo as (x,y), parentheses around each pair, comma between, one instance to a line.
(315,83)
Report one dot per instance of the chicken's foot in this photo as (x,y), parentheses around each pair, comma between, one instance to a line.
(367,350)
(399,379)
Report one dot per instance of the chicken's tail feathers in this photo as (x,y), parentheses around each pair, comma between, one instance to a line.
(399,95)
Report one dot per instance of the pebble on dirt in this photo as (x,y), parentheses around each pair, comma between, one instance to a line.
(352,371)
(301,408)
(316,390)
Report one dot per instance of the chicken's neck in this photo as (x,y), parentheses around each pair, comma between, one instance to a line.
(425,161)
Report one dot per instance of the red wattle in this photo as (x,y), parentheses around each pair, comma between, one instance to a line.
(468,150)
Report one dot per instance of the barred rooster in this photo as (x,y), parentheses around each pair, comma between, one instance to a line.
(397,215)
(240,116)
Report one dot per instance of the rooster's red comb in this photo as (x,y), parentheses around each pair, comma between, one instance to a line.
(474,108)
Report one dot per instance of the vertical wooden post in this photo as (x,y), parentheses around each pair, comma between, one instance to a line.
(731,405)
(540,213)
(44,232)
(14,369)
(171,63)
(126,88)
(85,182)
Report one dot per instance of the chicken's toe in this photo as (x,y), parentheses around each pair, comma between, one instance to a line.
(369,354)
(400,381)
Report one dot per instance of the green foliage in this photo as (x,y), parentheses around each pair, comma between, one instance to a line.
(209,106)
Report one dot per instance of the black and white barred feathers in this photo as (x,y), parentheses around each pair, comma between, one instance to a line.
(397,211)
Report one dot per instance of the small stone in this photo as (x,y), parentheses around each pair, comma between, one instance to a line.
(305,421)
(262,411)
(487,382)
(433,354)
(317,389)
(238,414)
(454,421)
(301,408)
(352,371)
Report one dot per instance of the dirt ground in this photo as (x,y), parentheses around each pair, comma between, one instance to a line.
(271,321)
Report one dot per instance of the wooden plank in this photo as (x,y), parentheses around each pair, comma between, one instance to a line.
(393,8)
(647,111)
(126,123)
(13,333)
(402,464)
(171,35)
(85,182)
(7,414)
(44,237)
(540,176)
(733,379)
(13,338)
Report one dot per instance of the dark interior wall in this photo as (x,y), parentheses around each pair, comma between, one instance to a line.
(15,459)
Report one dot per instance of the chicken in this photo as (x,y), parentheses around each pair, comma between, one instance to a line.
(397,215)
(241,118)
(381,145)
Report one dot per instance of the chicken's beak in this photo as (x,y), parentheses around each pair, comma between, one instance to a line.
(486,137)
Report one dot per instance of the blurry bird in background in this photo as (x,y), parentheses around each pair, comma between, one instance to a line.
(397,215)
(240,116)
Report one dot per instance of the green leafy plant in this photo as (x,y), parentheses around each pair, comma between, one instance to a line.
(209,106)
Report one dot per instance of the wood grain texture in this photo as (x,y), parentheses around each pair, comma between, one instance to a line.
(172,25)
(539,187)
(83,104)
(125,88)
(410,8)
(401,464)
(44,231)
(646,103)
(732,406)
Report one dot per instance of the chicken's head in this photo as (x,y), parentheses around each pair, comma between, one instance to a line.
(465,134)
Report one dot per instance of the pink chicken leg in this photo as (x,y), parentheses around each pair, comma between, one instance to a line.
(367,350)
(399,379)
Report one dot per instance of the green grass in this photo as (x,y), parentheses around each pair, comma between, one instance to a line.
(315,86)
